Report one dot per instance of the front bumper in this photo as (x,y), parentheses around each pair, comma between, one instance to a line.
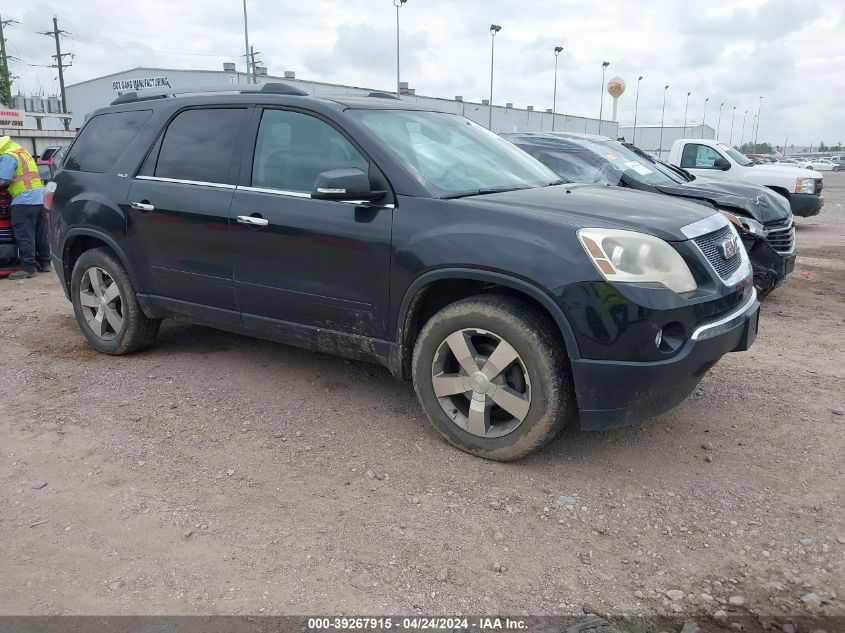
(770,267)
(618,393)
(805,204)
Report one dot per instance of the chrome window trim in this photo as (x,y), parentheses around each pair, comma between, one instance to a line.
(299,194)
(725,323)
(179,181)
(278,192)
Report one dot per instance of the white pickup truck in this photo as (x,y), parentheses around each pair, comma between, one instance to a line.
(709,159)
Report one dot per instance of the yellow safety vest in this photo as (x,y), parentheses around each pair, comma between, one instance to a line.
(26,175)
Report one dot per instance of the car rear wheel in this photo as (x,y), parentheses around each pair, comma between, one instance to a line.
(491,375)
(106,307)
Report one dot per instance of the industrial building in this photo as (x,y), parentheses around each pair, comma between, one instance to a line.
(86,96)
(648,137)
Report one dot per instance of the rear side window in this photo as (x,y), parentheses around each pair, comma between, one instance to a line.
(198,145)
(103,140)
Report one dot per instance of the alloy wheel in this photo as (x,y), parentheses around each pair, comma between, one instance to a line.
(481,382)
(101,302)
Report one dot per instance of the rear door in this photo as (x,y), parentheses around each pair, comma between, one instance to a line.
(315,263)
(179,212)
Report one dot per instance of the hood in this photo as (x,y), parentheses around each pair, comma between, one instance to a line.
(781,170)
(599,206)
(759,203)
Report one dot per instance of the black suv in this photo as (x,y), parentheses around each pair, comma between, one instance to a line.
(374,229)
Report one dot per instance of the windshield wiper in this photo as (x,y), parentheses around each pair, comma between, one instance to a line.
(480,192)
(558,182)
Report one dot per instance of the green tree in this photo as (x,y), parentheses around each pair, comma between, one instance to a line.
(822,146)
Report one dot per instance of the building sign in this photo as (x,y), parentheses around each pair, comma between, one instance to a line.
(140,83)
(12,118)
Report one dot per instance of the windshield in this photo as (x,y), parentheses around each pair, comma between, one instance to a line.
(452,156)
(603,162)
(742,159)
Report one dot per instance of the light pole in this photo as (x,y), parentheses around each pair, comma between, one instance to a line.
(759,107)
(662,116)
(636,105)
(719,121)
(604,66)
(398,4)
(742,134)
(731,137)
(494,28)
(246,43)
(686,108)
(704,117)
(558,50)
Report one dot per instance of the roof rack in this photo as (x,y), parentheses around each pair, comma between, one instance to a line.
(163,93)
(383,95)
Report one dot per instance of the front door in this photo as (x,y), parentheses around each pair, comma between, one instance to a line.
(700,160)
(179,211)
(308,264)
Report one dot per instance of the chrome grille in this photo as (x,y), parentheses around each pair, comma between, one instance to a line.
(782,238)
(709,245)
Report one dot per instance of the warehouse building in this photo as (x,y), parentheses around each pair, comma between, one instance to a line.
(648,137)
(86,96)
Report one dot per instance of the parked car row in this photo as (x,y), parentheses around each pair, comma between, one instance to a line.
(375,229)
(761,216)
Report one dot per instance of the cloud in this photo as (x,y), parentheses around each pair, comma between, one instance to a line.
(731,51)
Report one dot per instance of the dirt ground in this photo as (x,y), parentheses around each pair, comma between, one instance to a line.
(218,474)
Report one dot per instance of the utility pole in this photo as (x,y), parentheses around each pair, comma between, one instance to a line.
(5,75)
(251,62)
(246,43)
(56,33)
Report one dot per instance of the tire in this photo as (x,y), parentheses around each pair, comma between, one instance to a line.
(100,281)
(540,374)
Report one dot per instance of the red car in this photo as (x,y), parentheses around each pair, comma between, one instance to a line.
(8,248)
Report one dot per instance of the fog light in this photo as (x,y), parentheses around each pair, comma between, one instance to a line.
(670,338)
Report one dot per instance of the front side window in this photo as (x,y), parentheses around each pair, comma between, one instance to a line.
(103,139)
(198,145)
(697,156)
(293,148)
(452,156)
(740,158)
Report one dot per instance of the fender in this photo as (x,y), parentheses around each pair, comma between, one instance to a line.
(500,279)
(104,237)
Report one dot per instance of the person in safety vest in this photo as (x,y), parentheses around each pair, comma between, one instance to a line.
(19,174)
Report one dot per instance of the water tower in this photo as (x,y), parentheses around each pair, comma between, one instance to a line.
(615,87)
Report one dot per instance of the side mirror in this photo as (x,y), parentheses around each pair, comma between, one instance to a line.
(722,163)
(344,184)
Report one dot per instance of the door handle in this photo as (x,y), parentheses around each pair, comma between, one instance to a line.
(142,206)
(251,220)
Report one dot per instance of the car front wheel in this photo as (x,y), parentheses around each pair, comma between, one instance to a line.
(493,378)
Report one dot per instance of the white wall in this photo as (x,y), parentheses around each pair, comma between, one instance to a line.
(85,97)
(648,136)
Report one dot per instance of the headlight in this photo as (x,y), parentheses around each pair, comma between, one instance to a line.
(636,257)
(805,185)
(749,224)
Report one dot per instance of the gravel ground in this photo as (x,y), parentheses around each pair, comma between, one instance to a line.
(218,474)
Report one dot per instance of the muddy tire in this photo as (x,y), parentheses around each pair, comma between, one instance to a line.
(492,375)
(106,307)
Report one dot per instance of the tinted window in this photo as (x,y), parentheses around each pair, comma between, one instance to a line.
(292,149)
(103,139)
(198,145)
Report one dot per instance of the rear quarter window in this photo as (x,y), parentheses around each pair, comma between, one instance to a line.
(103,139)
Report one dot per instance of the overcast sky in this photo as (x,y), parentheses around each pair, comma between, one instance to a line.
(790,52)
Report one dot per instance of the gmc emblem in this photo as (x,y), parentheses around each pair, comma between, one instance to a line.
(729,248)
